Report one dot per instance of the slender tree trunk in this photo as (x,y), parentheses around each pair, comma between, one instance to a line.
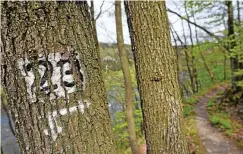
(225,65)
(210,73)
(156,70)
(53,78)
(194,70)
(231,37)
(187,57)
(127,78)
(177,57)
(238,11)
(207,68)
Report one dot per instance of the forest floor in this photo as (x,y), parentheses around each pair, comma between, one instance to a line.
(213,140)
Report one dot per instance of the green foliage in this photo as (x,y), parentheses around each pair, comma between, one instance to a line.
(193,139)
(114,83)
(138,117)
(120,130)
(190,100)
(220,121)
(187,110)
(210,103)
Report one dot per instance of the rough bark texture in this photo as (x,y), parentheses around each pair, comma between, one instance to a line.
(94,23)
(232,43)
(53,42)
(156,71)
(127,78)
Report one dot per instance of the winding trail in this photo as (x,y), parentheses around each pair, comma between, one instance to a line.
(214,141)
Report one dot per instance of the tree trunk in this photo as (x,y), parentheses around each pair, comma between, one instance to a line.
(187,57)
(194,70)
(231,37)
(156,70)
(127,78)
(53,78)
(177,57)
(94,23)
(238,11)
(210,73)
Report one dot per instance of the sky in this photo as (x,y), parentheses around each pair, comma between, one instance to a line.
(106,27)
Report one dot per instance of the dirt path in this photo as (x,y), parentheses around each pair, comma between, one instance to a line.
(214,141)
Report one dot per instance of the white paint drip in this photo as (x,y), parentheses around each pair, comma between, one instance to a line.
(53,127)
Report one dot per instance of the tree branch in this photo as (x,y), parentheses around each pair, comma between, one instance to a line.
(193,23)
(100,10)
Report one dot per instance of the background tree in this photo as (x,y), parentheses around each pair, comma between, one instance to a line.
(225,43)
(52,77)
(156,70)
(127,78)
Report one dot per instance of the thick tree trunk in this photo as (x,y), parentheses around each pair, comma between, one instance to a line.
(127,78)
(156,69)
(53,80)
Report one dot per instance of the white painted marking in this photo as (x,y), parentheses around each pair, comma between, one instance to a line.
(81,71)
(29,78)
(57,77)
(53,115)
(68,78)
(54,58)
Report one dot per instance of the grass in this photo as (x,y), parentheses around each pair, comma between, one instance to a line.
(218,120)
(190,100)
(222,120)
(194,143)
(210,103)
(188,110)
(218,117)
(193,139)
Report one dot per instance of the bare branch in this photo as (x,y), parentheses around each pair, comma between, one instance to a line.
(100,10)
(193,23)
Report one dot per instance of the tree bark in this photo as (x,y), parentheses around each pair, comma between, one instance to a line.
(53,80)
(231,37)
(238,12)
(94,23)
(127,78)
(156,70)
